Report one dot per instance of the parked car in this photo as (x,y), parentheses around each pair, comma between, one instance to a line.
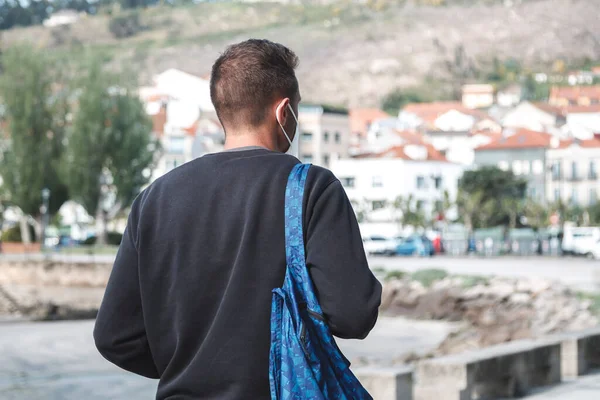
(415,246)
(581,241)
(379,245)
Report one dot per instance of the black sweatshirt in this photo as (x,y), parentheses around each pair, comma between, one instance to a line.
(189,297)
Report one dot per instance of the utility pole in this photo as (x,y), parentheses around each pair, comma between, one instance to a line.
(45,215)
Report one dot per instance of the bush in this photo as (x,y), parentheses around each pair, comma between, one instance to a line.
(114,239)
(13,234)
(395,275)
(394,101)
(428,276)
(125,25)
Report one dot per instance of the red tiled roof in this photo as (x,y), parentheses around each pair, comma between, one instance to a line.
(191,130)
(587,144)
(429,112)
(574,92)
(549,109)
(521,139)
(399,152)
(361,118)
(594,108)
(410,137)
(590,143)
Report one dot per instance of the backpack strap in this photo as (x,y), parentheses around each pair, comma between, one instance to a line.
(294,236)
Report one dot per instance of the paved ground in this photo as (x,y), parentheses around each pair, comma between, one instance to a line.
(58,360)
(580,273)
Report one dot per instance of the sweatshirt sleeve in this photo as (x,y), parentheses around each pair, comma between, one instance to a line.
(348,291)
(119,332)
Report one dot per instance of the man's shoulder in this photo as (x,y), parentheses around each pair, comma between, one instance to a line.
(320,178)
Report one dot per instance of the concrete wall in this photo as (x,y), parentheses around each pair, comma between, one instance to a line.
(508,370)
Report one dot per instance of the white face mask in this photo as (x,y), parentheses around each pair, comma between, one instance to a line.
(295,118)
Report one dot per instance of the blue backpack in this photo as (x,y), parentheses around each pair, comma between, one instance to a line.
(305,362)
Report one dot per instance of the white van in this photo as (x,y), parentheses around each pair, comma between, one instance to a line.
(580,241)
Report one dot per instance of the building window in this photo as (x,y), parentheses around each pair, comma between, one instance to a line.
(516,167)
(378,205)
(574,171)
(538,167)
(593,196)
(307,136)
(377,181)
(307,158)
(176,145)
(574,200)
(556,195)
(338,137)
(438,182)
(326,136)
(420,182)
(503,165)
(326,160)
(532,192)
(526,167)
(556,171)
(593,175)
(348,181)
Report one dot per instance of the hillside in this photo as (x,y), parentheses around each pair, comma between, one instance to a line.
(350,54)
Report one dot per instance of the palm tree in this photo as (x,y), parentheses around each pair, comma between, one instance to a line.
(361,209)
(411,211)
(537,217)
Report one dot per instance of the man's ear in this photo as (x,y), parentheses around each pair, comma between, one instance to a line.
(281,112)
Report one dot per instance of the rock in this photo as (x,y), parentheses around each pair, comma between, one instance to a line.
(502,290)
(520,298)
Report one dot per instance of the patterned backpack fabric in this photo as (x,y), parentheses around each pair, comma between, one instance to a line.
(305,362)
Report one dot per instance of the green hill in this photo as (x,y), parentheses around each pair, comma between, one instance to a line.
(351,54)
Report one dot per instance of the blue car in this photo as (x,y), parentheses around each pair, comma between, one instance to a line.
(415,246)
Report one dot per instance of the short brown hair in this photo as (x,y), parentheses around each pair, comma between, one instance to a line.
(248,76)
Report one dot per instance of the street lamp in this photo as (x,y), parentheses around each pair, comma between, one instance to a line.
(45,214)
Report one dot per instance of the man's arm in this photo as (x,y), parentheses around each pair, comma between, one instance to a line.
(348,291)
(119,332)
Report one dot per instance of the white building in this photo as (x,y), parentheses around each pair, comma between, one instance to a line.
(180,86)
(184,134)
(583,122)
(574,172)
(477,96)
(538,117)
(510,96)
(444,116)
(374,183)
(324,134)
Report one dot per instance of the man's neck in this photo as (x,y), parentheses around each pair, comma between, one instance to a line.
(233,141)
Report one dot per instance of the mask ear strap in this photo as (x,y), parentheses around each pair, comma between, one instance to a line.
(281,126)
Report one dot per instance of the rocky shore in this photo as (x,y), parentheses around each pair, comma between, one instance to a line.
(49,303)
(491,311)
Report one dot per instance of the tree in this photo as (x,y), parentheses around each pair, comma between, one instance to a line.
(411,210)
(394,101)
(110,153)
(536,215)
(494,185)
(35,109)
(473,207)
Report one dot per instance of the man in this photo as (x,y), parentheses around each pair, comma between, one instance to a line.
(189,298)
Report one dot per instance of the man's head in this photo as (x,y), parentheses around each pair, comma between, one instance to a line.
(252,84)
